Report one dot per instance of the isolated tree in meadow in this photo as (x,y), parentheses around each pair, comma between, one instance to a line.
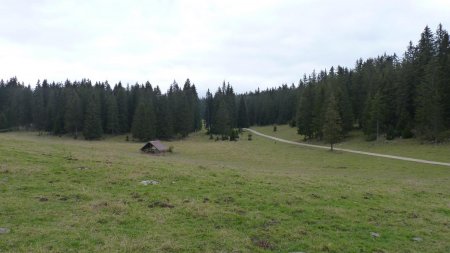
(332,129)
(92,121)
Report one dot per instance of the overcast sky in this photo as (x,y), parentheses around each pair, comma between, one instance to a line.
(247,43)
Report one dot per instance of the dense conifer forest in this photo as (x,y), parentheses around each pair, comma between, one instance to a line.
(96,109)
(391,96)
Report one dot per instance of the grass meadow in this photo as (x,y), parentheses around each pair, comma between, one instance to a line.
(63,195)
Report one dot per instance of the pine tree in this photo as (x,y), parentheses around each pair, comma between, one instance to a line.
(305,113)
(73,115)
(3,121)
(164,128)
(332,129)
(242,114)
(112,115)
(92,128)
(222,122)
(39,108)
(443,72)
(122,105)
(429,114)
(209,110)
(143,127)
(376,116)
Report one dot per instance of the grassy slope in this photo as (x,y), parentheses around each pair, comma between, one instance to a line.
(246,196)
(408,147)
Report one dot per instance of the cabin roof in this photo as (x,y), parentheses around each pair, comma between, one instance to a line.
(156,144)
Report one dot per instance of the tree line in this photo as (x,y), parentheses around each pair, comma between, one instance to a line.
(389,96)
(384,96)
(96,109)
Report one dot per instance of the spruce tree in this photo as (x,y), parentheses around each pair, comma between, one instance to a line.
(122,105)
(39,108)
(305,113)
(164,128)
(332,129)
(242,114)
(209,110)
(222,121)
(3,121)
(73,114)
(112,115)
(143,127)
(92,128)
(429,111)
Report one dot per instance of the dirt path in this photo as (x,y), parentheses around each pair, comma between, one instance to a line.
(349,150)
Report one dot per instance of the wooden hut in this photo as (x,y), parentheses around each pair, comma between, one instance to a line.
(154,147)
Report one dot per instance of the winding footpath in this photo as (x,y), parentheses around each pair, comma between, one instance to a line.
(349,150)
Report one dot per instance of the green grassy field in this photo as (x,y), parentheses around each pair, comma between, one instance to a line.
(64,195)
(356,140)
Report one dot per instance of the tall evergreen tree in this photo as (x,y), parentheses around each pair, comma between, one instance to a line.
(39,108)
(222,121)
(3,121)
(112,115)
(332,129)
(164,128)
(242,114)
(429,115)
(143,127)
(73,113)
(122,105)
(92,128)
(209,110)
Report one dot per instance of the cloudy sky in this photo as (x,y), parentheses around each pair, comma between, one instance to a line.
(251,44)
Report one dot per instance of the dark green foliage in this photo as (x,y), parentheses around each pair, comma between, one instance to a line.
(305,114)
(222,122)
(73,114)
(112,116)
(429,112)
(332,129)
(66,108)
(242,120)
(164,127)
(122,105)
(3,121)
(144,122)
(92,121)
(234,135)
